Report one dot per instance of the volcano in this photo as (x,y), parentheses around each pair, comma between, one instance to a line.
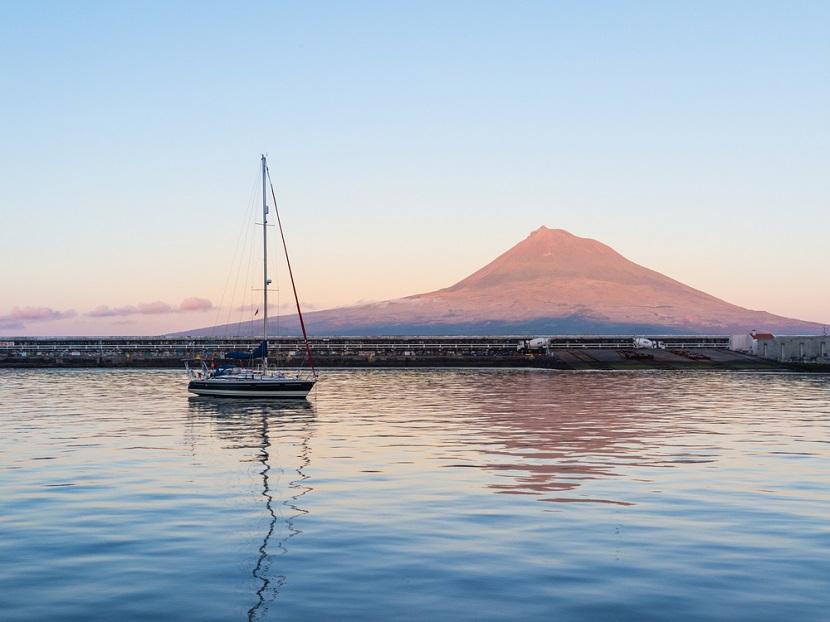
(552,282)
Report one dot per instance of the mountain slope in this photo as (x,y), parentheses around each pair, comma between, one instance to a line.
(551,282)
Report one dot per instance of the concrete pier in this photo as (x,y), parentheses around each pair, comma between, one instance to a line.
(560,352)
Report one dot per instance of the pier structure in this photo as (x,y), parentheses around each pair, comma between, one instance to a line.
(807,349)
(561,351)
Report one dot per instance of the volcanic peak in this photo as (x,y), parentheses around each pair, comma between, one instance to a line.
(553,282)
(553,254)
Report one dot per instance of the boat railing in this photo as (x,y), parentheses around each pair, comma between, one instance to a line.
(204,372)
(283,372)
(194,374)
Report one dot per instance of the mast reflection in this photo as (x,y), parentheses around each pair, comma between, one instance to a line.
(251,422)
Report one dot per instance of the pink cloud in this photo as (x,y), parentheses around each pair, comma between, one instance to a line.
(255,307)
(20,315)
(152,308)
(105,311)
(147,308)
(195,304)
(37,314)
(286,307)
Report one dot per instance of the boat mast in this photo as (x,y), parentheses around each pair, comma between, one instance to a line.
(265,281)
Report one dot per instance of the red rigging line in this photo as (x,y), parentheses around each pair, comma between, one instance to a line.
(290,273)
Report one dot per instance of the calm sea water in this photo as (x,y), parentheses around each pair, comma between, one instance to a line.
(417,495)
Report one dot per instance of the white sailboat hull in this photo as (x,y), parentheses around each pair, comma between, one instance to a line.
(279,388)
(243,393)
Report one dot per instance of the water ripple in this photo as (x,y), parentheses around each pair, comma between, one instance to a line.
(413,494)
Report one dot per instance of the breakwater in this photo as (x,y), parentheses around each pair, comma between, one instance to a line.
(559,352)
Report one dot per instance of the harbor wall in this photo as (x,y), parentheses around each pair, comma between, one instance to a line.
(560,352)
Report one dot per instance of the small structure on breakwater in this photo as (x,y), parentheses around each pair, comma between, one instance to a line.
(802,349)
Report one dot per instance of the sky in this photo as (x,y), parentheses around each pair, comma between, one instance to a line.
(409,143)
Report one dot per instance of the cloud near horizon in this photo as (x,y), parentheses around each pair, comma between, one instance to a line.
(152,308)
(196,304)
(286,307)
(18,316)
(149,308)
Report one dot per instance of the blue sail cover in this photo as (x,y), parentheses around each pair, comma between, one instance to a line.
(258,353)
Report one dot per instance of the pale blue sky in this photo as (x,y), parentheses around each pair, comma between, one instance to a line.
(411,143)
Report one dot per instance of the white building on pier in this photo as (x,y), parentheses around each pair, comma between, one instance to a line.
(787,349)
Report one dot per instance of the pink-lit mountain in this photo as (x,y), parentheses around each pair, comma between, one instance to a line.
(552,282)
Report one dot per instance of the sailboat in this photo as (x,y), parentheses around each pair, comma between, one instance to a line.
(258,380)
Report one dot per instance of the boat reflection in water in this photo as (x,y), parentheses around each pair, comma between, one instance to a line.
(251,424)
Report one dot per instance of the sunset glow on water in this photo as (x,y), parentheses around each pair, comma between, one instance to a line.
(411,495)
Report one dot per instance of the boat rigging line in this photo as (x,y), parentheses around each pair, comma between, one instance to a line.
(291,273)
